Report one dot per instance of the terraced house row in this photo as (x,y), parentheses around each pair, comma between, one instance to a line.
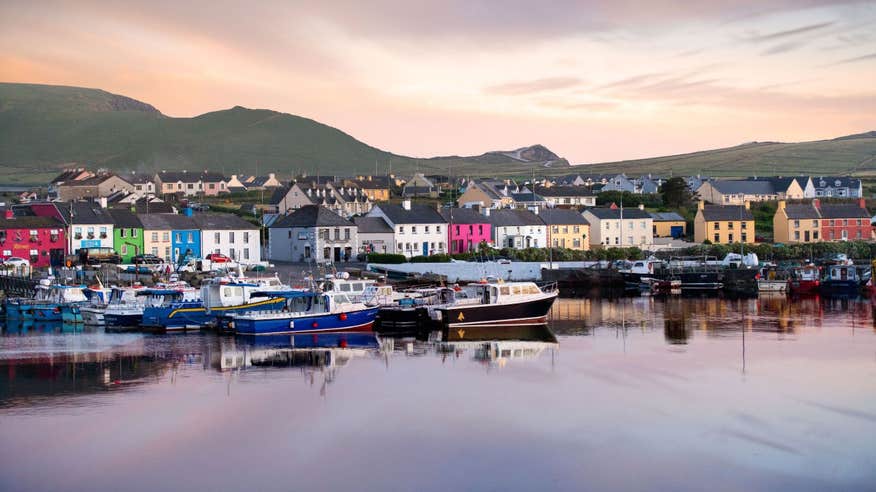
(45,233)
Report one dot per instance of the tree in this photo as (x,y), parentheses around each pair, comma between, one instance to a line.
(675,193)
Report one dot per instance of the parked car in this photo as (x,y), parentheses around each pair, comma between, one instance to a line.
(146,259)
(14,261)
(217,258)
(93,256)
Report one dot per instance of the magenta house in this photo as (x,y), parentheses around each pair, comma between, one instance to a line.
(466,229)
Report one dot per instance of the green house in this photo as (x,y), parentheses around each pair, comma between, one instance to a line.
(127,234)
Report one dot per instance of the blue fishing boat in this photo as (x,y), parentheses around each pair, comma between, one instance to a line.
(303,312)
(56,303)
(171,309)
(220,296)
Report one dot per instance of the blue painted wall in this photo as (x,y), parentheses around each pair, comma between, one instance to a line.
(184,240)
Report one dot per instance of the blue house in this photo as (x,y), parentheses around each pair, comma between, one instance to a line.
(185,237)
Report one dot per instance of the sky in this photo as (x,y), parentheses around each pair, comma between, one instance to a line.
(592,80)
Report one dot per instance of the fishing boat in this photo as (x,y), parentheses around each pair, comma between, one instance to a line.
(57,303)
(303,311)
(804,280)
(219,296)
(840,280)
(771,280)
(496,303)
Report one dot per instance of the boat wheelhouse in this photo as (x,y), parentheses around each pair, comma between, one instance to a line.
(804,280)
(840,279)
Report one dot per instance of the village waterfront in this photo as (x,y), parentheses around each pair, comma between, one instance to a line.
(767,393)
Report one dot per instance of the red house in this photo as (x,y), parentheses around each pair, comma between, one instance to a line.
(849,221)
(466,229)
(41,240)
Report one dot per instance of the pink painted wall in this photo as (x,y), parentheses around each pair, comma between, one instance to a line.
(465,237)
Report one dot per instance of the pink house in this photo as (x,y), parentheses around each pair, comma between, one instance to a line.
(466,229)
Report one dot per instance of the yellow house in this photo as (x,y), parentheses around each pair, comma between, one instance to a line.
(566,228)
(375,188)
(486,194)
(724,224)
(669,224)
(797,223)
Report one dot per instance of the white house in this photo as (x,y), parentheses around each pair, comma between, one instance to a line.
(312,233)
(89,224)
(517,228)
(575,196)
(615,227)
(836,186)
(417,229)
(375,235)
(229,235)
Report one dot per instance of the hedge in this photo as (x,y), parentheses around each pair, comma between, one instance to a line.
(431,259)
(386,258)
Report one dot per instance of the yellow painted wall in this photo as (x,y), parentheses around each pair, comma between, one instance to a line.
(706,230)
(664,229)
(565,236)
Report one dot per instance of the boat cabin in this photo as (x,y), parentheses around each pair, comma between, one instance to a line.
(841,273)
(500,293)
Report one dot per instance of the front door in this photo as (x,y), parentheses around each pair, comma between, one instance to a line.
(806,236)
(425,248)
(337,254)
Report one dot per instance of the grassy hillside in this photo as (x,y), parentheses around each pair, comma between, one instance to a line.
(42,128)
(855,154)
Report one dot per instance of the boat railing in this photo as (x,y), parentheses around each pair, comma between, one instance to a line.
(548,287)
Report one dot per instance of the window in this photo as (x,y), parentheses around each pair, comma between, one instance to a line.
(347,233)
(401,229)
(815,223)
(231,254)
(438,229)
(122,233)
(134,233)
(231,237)
(155,236)
(744,226)
(167,252)
(34,236)
(845,234)
(190,186)
(845,222)
(212,186)
(413,229)
(77,233)
(555,229)
(218,237)
(744,237)
(717,226)
(91,233)
(730,226)
(124,249)
(717,238)
(165,236)
(103,232)
(796,235)
(796,223)
(480,229)
(427,229)
(190,238)
(245,253)
(441,246)
(642,224)
(815,235)
(859,222)
(246,236)
(178,186)
(337,234)
(630,239)
(154,250)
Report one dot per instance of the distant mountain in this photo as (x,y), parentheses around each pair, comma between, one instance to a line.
(44,127)
(852,154)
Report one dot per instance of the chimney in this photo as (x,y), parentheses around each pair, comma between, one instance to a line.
(486,211)
(747,205)
(271,175)
(641,206)
(406,204)
(102,201)
(701,205)
(816,203)
(862,203)
(9,214)
(781,205)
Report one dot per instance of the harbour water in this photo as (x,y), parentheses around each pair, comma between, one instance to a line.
(631,394)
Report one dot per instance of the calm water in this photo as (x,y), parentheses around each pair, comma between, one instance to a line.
(638,394)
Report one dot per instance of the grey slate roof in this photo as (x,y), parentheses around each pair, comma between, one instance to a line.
(372,225)
(843,211)
(514,217)
(563,191)
(604,213)
(227,222)
(799,211)
(312,216)
(726,212)
(744,186)
(187,177)
(831,182)
(124,218)
(167,222)
(418,214)
(666,217)
(526,197)
(84,213)
(464,216)
(561,216)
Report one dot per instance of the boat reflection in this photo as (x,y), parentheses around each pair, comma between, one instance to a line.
(683,317)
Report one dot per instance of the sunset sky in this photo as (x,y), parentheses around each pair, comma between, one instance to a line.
(591,80)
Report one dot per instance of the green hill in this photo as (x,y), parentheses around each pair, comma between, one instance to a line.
(852,154)
(42,128)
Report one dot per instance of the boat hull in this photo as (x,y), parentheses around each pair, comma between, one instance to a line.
(353,321)
(796,286)
(193,315)
(840,287)
(122,319)
(532,312)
